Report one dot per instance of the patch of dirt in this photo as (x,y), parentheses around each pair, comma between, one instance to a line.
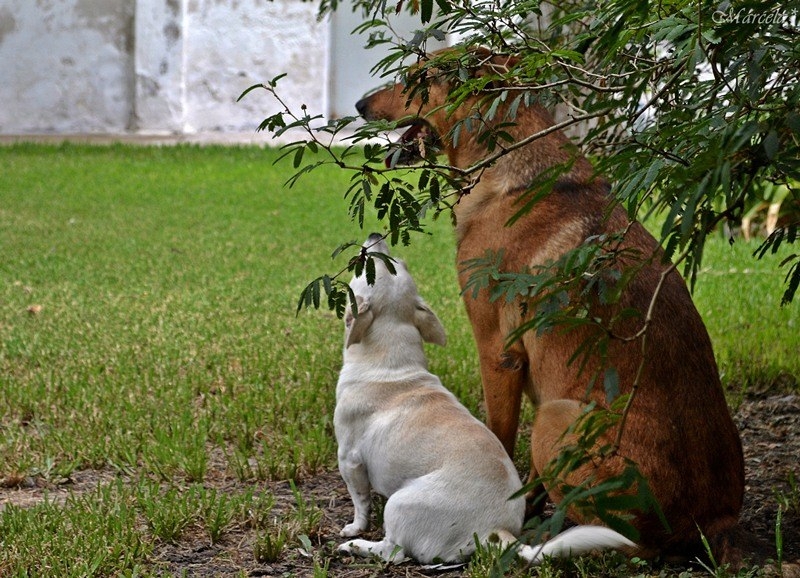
(770,431)
(26,491)
(769,426)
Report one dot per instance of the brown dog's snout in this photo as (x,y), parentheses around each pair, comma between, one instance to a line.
(361,107)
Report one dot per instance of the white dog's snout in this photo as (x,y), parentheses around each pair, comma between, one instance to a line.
(375,243)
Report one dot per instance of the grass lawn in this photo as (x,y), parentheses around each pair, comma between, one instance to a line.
(148,330)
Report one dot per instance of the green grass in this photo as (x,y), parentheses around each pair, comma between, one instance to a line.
(756,341)
(148,328)
(166,280)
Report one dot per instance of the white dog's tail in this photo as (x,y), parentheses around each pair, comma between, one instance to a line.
(572,542)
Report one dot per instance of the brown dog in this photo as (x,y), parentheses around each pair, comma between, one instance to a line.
(678,429)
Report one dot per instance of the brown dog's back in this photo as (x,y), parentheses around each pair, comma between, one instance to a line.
(678,429)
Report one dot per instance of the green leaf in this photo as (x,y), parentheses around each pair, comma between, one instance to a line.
(569,55)
(711,36)
(444,6)
(307,295)
(370,268)
(426,10)
(792,281)
(343,247)
(315,293)
(771,144)
(298,157)
(611,384)
(249,90)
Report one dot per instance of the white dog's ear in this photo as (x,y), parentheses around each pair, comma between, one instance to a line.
(357,326)
(429,325)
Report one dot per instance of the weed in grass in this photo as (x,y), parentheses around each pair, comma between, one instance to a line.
(167,513)
(239,464)
(491,559)
(194,461)
(306,517)
(319,569)
(640,568)
(179,447)
(170,511)
(270,543)
(278,459)
(123,457)
(274,534)
(722,570)
(779,538)
(258,510)
(712,567)
(320,447)
(159,458)
(303,451)
(218,510)
(789,500)
(609,563)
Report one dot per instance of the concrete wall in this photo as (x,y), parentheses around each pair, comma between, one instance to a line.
(164,67)
(155,66)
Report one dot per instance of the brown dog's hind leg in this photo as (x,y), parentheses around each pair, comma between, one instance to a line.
(551,435)
(553,419)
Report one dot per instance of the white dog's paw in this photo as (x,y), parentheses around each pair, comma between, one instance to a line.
(383,549)
(363,548)
(352,529)
(350,547)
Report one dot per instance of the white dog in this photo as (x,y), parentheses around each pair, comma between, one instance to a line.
(447,478)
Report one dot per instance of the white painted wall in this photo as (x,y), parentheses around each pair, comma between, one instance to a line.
(234,44)
(155,66)
(65,65)
(351,63)
(176,67)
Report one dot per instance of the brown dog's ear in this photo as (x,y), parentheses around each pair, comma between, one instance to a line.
(356,327)
(429,326)
(492,65)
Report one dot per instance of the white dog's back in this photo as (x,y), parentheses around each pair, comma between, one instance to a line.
(446,476)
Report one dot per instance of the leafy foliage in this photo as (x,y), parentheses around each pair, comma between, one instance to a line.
(687,106)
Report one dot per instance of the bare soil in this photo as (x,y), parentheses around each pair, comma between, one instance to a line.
(769,426)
